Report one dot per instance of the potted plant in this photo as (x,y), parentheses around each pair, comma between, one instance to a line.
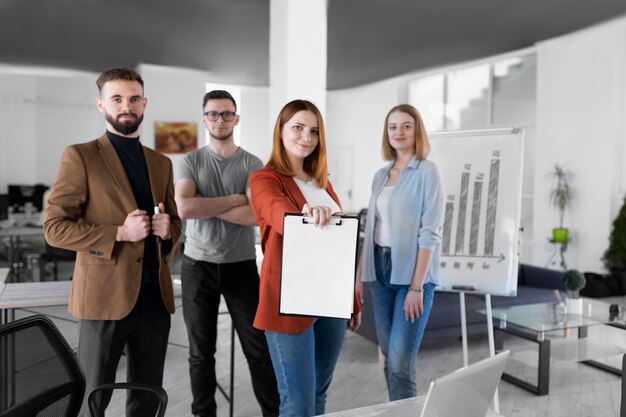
(615,255)
(561,198)
(574,281)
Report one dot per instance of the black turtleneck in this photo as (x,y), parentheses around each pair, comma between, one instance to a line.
(130,153)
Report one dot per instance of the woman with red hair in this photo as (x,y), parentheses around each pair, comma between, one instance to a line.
(304,350)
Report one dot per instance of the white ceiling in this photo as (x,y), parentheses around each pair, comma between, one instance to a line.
(368,40)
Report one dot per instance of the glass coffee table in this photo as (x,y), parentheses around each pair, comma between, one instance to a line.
(542,332)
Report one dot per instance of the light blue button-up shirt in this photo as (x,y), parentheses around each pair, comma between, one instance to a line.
(415,217)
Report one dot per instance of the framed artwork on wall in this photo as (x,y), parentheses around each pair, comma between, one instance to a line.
(175,137)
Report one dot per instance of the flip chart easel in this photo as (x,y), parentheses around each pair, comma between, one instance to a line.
(482,177)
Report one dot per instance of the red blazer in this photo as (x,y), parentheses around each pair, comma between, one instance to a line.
(273,195)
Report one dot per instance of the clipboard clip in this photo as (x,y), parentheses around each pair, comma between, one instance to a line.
(336,221)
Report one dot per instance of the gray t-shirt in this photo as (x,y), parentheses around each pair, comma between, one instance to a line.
(214,240)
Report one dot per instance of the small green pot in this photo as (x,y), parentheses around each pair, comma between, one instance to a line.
(560,235)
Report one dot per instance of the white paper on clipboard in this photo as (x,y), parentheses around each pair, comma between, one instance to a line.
(318,267)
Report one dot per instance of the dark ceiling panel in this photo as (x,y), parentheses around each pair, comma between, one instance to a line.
(368,40)
(225,37)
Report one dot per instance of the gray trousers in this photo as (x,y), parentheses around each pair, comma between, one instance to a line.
(143,334)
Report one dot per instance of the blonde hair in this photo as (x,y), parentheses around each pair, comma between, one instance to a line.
(422,145)
(314,164)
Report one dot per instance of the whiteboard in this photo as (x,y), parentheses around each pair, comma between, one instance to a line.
(482,179)
(318,267)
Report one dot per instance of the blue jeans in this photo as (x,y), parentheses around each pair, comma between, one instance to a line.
(399,339)
(304,364)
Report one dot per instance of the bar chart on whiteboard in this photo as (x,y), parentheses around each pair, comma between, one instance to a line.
(482,177)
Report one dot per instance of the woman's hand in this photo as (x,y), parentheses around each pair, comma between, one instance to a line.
(354,322)
(413,305)
(358,290)
(320,214)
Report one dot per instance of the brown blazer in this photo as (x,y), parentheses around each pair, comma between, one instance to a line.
(273,195)
(90,198)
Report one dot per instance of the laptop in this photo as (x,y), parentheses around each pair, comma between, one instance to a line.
(466,392)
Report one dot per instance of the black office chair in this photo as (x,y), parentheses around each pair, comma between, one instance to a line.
(40,376)
(93,398)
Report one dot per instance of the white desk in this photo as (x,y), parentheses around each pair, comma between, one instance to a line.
(378,409)
(38,294)
(32,294)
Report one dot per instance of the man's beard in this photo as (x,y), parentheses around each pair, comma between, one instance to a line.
(127,127)
(222,137)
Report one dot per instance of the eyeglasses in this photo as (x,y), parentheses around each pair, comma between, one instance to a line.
(227,116)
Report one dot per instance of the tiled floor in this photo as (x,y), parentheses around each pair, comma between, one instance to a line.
(575,389)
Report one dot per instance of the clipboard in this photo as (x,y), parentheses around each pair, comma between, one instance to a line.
(318,267)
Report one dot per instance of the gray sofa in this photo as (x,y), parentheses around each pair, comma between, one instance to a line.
(534,285)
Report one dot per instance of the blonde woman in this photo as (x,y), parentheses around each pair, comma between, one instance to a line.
(400,257)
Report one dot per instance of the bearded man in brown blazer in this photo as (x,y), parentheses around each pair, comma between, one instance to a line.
(102,206)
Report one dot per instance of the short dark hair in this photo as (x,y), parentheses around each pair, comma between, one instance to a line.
(218,95)
(113,74)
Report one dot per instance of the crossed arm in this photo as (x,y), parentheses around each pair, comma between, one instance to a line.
(233,208)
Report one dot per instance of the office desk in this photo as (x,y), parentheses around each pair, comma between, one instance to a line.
(378,409)
(14,234)
(32,294)
(17,295)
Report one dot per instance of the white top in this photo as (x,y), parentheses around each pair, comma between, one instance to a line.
(316,196)
(382,231)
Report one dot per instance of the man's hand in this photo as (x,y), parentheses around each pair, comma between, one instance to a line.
(161,224)
(135,228)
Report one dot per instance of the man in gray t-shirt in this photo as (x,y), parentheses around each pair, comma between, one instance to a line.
(212,194)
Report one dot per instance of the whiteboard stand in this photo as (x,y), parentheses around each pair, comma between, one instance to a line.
(463,328)
(492,348)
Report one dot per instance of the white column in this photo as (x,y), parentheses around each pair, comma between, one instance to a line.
(297,53)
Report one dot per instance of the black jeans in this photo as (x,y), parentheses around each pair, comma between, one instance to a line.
(203,283)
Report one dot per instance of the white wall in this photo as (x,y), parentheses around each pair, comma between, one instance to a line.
(40,114)
(354,126)
(257,123)
(580,124)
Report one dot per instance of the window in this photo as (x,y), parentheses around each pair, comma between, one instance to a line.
(426,94)
(467,98)
(497,93)
(514,90)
